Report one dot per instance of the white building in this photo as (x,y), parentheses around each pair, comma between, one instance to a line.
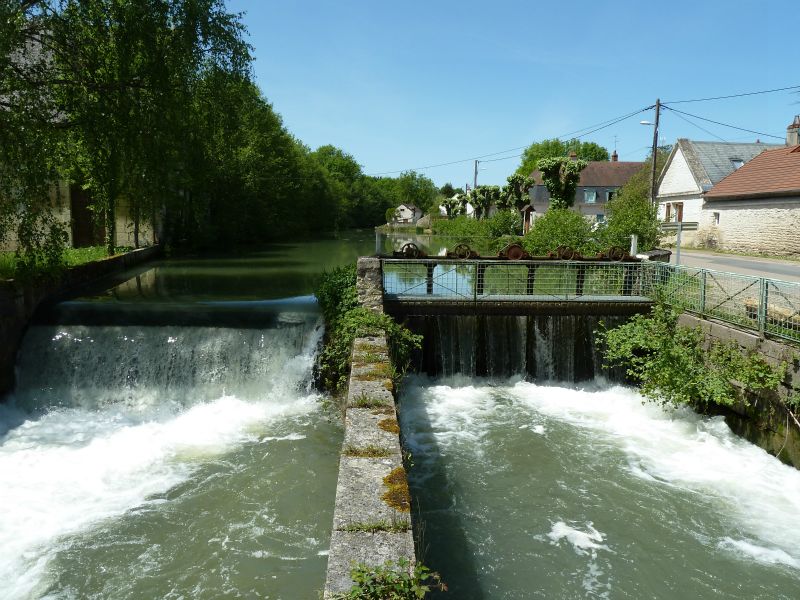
(692,169)
(407,214)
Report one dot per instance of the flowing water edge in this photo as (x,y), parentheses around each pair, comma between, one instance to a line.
(546,491)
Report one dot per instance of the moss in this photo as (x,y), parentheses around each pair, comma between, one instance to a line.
(364,401)
(390,425)
(372,527)
(383,410)
(366,451)
(370,358)
(397,495)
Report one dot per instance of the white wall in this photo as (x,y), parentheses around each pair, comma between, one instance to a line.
(755,226)
(678,185)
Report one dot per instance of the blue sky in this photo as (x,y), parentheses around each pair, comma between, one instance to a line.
(407,84)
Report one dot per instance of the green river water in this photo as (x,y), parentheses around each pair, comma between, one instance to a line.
(165,441)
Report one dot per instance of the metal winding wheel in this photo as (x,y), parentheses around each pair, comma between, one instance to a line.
(462,251)
(566,253)
(410,250)
(616,253)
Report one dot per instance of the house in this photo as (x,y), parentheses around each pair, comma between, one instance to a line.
(757,207)
(407,214)
(599,181)
(693,168)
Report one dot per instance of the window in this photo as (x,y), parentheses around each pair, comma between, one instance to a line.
(737,163)
(599,217)
(716,218)
(678,211)
(611,195)
(589,196)
(668,212)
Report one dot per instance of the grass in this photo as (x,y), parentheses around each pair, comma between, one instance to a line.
(366,451)
(72,257)
(364,401)
(375,526)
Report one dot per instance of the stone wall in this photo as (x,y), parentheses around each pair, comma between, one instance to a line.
(759,227)
(372,514)
(766,423)
(19,301)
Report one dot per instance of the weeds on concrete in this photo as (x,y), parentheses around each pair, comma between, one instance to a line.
(370,451)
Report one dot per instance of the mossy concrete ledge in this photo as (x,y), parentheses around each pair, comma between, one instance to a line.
(372,515)
(19,300)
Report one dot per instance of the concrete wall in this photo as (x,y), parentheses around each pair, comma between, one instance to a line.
(372,514)
(766,423)
(19,301)
(766,226)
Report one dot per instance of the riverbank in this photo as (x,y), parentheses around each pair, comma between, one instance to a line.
(19,300)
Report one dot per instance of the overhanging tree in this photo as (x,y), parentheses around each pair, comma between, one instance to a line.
(561,176)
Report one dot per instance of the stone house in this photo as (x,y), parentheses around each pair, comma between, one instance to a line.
(599,181)
(693,168)
(756,208)
(407,214)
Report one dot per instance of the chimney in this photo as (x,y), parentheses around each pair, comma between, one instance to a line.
(573,155)
(793,132)
(614,156)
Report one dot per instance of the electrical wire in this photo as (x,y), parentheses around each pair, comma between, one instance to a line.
(783,89)
(699,127)
(586,131)
(675,110)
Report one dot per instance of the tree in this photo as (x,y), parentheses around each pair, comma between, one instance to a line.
(482,197)
(515,194)
(553,148)
(448,191)
(631,210)
(414,188)
(561,176)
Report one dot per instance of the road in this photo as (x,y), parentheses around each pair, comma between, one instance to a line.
(785,270)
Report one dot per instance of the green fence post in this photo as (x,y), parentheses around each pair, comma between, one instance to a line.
(703,293)
(762,306)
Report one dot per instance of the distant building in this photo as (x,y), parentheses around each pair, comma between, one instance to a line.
(599,182)
(692,169)
(757,207)
(407,214)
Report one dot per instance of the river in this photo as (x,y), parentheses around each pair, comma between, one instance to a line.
(149,453)
(164,441)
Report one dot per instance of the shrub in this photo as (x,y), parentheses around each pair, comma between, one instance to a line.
(672,366)
(628,214)
(560,227)
(392,582)
(345,320)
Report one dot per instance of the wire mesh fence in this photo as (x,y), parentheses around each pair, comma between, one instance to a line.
(514,280)
(765,305)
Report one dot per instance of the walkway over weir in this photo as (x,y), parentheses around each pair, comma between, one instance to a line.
(479,286)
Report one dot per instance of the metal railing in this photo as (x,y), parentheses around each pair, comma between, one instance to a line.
(768,306)
(453,279)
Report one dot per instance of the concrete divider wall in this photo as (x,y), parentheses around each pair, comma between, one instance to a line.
(19,301)
(372,514)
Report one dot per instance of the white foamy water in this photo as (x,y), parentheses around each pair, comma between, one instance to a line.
(65,469)
(747,502)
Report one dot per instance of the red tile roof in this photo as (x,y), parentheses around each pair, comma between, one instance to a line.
(602,173)
(771,173)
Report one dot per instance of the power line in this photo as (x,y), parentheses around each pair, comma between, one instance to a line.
(778,137)
(586,131)
(783,89)
(699,127)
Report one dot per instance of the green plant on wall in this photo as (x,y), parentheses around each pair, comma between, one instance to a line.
(561,176)
(672,365)
(392,582)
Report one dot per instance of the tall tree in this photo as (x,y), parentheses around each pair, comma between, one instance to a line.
(515,194)
(553,148)
(561,176)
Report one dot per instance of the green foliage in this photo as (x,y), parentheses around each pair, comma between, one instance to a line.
(515,194)
(345,321)
(503,222)
(553,148)
(560,227)
(482,197)
(392,582)
(448,191)
(631,211)
(672,366)
(414,188)
(561,176)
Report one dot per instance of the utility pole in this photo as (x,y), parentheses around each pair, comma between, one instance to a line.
(655,154)
(475,176)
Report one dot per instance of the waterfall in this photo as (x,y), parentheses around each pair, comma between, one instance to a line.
(538,347)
